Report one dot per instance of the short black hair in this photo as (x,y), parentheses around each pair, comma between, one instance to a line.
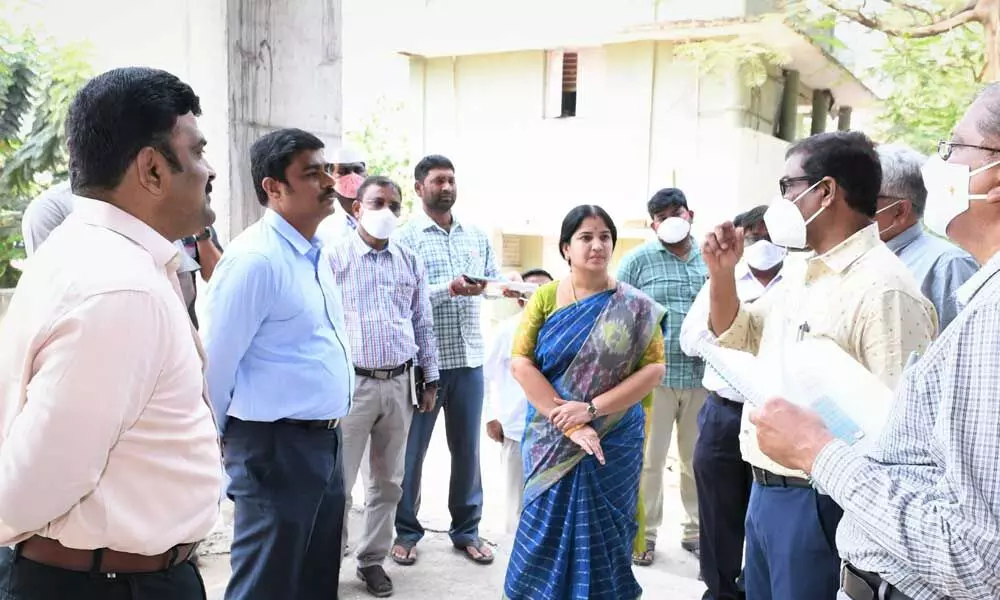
(428,164)
(750,218)
(117,114)
(537,273)
(664,199)
(271,155)
(575,217)
(378,181)
(849,157)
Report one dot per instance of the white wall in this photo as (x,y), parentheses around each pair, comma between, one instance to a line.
(644,121)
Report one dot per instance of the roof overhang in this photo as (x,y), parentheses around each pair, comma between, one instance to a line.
(817,68)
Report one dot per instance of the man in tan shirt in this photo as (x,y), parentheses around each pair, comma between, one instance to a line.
(110,470)
(852,290)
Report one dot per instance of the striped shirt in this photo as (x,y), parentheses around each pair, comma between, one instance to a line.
(447,256)
(922,509)
(674,283)
(386,305)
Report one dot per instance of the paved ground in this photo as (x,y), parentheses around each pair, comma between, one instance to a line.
(443,573)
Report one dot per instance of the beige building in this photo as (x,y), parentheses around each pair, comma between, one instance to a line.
(542,114)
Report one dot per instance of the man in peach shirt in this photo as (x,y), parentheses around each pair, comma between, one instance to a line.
(110,469)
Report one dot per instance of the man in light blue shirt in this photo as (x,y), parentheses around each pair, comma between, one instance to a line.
(280,378)
(939,266)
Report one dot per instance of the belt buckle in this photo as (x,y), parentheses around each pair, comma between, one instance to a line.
(381,374)
(332,424)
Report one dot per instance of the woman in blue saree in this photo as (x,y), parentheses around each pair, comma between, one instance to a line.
(588,350)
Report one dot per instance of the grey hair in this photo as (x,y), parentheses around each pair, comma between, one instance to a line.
(989,124)
(901,176)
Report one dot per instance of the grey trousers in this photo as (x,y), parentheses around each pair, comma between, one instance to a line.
(381,411)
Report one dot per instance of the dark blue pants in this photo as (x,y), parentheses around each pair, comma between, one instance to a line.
(288,486)
(723,481)
(791,547)
(22,579)
(460,395)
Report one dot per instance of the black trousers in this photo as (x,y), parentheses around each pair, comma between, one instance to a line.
(723,482)
(23,579)
(288,486)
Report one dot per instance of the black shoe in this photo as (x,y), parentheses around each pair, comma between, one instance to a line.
(377,582)
(693,547)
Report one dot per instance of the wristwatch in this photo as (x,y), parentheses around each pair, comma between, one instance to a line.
(591,410)
(204,235)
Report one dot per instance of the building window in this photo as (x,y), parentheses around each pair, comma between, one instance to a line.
(569,62)
(560,81)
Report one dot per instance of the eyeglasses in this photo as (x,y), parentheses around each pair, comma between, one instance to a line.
(786,182)
(946,148)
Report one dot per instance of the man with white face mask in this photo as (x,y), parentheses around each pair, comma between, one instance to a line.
(723,478)
(853,291)
(939,266)
(387,309)
(921,507)
(670,270)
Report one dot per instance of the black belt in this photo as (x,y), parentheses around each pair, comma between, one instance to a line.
(384,373)
(862,585)
(312,424)
(769,479)
(728,403)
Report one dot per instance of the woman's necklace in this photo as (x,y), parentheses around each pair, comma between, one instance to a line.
(572,285)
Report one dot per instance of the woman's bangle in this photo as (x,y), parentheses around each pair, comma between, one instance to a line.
(573,430)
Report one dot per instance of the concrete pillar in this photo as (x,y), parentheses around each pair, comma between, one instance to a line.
(844,118)
(284,70)
(820,111)
(789,107)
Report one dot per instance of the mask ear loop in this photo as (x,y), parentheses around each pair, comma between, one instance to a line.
(977,172)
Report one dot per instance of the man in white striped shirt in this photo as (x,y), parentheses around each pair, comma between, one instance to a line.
(922,508)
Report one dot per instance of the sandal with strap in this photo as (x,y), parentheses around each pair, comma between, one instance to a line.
(409,547)
(376,581)
(645,559)
(479,545)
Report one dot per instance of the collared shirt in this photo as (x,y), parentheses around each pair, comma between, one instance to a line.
(106,437)
(44,214)
(335,228)
(508,404)
(923,507)
(695,326)
(674,283)
(939,266)
(387,305)
(274,329)
(463,250)
(859,295)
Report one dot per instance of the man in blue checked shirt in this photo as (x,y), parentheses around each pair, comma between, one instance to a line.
(459,259)
(388,312)
(280,378)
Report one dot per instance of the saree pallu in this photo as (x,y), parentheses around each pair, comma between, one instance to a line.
(574,540)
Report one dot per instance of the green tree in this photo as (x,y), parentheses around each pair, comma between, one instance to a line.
(932,81)
(385,152)
(37,81)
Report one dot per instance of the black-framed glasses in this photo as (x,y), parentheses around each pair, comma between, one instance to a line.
(786,182)
(945,148)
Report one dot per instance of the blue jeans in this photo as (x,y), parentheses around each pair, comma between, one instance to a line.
(791,548)
(460,395)
(723,481)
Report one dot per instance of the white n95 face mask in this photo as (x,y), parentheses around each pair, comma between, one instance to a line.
(762,255)
(948,191)
(673,230)
(379,223)
(785,224)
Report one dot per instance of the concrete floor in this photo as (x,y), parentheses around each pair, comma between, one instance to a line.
(441,572)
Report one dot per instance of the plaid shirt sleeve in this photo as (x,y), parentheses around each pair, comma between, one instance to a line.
(423,324)
(923,505)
